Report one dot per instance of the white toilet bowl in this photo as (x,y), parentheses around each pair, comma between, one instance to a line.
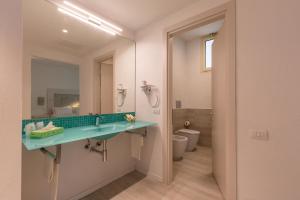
(179,146)
(193,137)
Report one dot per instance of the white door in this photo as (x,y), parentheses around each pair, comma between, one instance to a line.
(223,104)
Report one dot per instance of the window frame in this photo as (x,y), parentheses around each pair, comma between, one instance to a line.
(205,39)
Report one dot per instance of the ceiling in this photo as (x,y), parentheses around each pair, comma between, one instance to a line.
(43,26)
(202,31)
(109,61)
(134,14)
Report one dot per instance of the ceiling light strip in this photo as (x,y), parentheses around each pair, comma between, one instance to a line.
(84,19)
(72,13)
(102,25)
(93,17)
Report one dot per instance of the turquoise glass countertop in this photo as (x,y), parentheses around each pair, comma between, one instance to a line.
(102,132)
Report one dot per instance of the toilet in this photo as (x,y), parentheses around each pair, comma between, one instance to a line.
(179,146)
(193,137)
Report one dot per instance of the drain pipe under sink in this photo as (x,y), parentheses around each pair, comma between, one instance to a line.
(95,149)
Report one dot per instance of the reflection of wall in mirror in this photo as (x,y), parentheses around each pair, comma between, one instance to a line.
(123,52)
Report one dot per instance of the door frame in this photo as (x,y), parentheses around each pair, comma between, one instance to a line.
(223,11)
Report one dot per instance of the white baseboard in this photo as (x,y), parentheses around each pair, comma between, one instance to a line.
(154,176)
(151,175)
(100,185)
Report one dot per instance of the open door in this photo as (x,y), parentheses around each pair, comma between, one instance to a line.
(106,88)
(223,104)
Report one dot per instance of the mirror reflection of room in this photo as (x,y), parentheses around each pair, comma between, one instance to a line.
(55,88)
(63,58)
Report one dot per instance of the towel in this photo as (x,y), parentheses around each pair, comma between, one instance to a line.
(52,175)
(54,185)
(137,142)
(49,168)
(46,132)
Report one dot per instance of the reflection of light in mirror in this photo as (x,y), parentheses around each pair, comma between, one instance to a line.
(93,17)
(64,30)
(83,19)
(75,105)
(86,17)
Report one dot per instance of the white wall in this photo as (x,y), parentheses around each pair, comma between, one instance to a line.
(10,99)
(268,98)
(192,85)
(151,63)
(50,75)
(179,72)
(199,83)
(81,171)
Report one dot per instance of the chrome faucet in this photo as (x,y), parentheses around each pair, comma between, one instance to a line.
(98,120)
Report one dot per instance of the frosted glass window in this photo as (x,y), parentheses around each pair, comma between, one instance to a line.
(208,54)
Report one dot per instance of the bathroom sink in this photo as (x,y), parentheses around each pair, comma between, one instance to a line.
(105,128)
(96,128)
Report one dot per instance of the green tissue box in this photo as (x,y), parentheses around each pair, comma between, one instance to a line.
(46,133)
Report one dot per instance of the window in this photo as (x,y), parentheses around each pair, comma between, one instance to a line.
(208,54)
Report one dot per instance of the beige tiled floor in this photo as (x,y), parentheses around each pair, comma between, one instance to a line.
(192,181)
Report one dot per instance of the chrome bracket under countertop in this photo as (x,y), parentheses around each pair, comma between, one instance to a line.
(136,131)
(56,156)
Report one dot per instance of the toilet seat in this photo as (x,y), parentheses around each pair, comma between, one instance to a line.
(189,131)
(179,138)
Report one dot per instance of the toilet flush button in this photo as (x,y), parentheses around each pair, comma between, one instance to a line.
(259,134)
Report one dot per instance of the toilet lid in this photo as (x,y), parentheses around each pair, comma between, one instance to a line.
(190,131)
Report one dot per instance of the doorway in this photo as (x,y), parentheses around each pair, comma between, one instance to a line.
(223,98)
(104,84)
(192,65)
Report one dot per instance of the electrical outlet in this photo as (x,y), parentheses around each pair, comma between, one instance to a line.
(259,134)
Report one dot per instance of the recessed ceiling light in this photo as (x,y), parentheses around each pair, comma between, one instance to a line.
(65,31)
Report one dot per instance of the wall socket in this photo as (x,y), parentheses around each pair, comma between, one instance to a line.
(259,134)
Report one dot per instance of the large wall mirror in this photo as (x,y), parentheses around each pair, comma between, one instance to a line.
(72,67)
